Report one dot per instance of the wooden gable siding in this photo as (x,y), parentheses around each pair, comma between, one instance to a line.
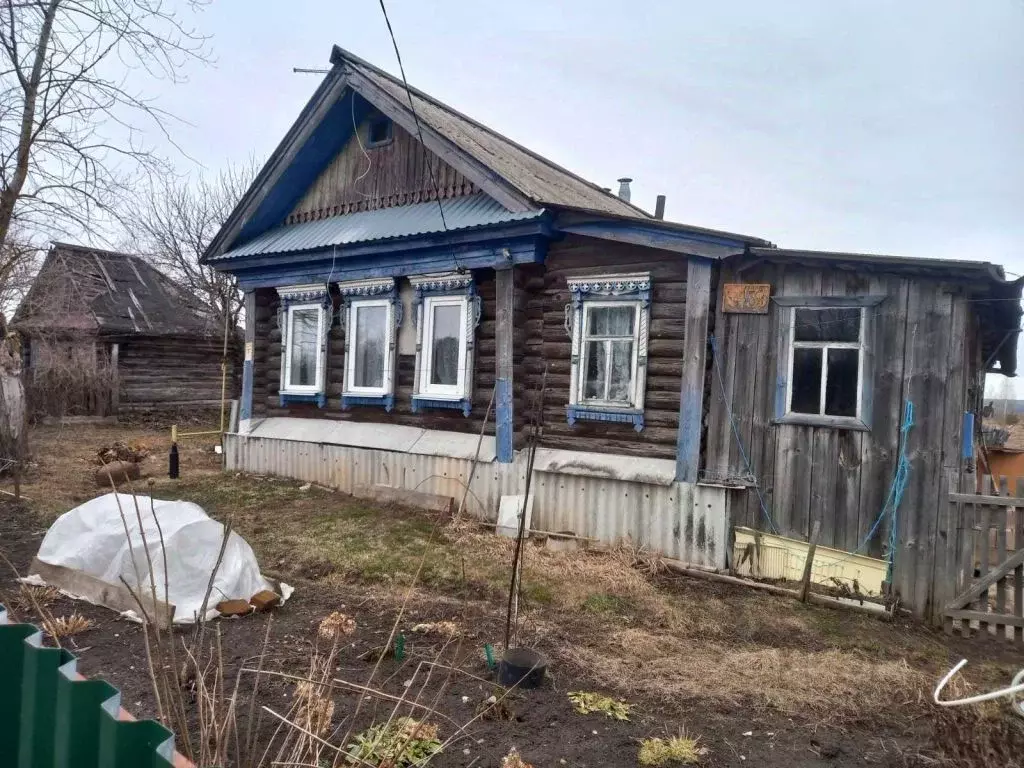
(393,174)
(543,341)
(925,349)
(267,372)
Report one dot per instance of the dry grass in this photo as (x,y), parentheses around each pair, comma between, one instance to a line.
(513,760)
(67,626)
(675,750)
(32,597)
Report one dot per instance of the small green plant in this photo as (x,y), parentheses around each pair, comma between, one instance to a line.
(600,602)
(403,742)
(676,750)
(588,703)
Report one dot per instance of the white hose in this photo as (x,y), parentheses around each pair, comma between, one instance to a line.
(1017,686)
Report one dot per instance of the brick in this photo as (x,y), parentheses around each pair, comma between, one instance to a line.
(264,600)
(234,607)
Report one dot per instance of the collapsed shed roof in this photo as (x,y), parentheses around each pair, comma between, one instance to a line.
(110,294)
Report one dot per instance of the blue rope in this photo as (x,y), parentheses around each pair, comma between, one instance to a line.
(739,440)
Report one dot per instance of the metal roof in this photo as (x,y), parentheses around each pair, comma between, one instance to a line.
(466,212)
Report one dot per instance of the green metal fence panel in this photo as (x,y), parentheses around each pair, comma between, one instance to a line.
(50,717)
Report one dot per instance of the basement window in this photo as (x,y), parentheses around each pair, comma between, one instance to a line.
(826,361)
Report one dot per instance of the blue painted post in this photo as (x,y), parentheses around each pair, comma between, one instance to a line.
(695,343)
(504,412)
(245,406)
(968,436)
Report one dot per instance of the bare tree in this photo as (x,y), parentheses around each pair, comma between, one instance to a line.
(72,118)
(175,222)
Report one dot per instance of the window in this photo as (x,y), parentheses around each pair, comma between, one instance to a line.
(369,346)
(609,353)
(608,324)
(446,309)
(379,131)
(443,353)
(304,317)
(826,361)
(303,361)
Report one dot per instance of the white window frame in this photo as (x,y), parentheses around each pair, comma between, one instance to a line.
(459,390)
(585,338)
(351,336)
(287,387)
(825,346)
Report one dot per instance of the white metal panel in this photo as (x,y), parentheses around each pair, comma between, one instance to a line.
(681,520)
(632,468)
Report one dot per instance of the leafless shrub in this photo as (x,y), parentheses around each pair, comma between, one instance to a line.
(69,377)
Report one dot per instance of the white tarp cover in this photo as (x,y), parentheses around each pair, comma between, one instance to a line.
(91,538)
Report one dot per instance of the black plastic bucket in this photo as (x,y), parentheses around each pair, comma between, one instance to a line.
(522,667)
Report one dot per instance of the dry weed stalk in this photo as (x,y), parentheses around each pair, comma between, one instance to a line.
(66,626)
(31,595)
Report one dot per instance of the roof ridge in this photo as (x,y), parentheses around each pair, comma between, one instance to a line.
(339,54)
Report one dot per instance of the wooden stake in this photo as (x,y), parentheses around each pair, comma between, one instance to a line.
(805,584)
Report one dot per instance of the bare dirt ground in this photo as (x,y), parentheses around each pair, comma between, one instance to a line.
(761,680)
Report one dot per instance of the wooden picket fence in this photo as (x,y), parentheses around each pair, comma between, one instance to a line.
(989,558)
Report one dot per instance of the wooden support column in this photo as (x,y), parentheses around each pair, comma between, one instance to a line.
(504,415)
(695,343)
(245,406)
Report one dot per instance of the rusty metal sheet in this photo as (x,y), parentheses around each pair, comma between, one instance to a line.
(746,298)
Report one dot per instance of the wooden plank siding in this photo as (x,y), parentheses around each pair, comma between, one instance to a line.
(924,347)
(399,172)
(547,344)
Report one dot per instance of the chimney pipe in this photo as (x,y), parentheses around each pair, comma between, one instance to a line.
(624,188)
(659,207)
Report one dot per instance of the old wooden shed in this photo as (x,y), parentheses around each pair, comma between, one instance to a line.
(411,275)
(103,332)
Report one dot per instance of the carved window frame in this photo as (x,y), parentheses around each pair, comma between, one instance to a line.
(361,293)
(292,299)
(449,287)
(602,290)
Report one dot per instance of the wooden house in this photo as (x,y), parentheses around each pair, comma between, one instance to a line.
(415,280)
(105,332)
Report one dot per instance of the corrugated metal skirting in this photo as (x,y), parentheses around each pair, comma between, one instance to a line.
(682,520)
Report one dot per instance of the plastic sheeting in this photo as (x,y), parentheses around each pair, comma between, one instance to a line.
(102,538)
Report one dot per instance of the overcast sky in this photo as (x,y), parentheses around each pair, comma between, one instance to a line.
(860,125)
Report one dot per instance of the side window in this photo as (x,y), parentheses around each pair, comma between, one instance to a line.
(304,319)
(372,314)
(826,361)
(608,324)
(446,311)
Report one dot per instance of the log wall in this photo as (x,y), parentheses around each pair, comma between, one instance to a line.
(162,371)
(544,342)
(267,367)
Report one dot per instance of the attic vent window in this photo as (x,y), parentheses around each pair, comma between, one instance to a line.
(379,132)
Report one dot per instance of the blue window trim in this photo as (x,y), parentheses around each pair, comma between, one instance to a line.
(320,398)
(387,401)
(632,416)
(420,403)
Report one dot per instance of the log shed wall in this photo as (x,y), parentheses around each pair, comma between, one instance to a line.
(156,371)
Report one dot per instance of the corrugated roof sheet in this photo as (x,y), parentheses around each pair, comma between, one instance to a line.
(467,212)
